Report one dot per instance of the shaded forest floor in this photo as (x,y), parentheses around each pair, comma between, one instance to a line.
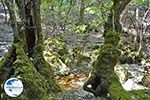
(72,87)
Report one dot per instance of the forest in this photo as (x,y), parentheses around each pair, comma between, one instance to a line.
(74,49)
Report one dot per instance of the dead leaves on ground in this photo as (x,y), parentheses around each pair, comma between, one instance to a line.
(71,81)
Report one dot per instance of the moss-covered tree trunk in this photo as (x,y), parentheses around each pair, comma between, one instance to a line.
(25,57)
(103,79)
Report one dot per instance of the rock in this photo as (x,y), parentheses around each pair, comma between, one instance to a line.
(78,94)
(130,75)
(56,54)
(146,79)
(122,72)
(136,72)
(131,85)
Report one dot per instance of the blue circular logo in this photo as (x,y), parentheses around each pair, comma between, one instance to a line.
(13,87)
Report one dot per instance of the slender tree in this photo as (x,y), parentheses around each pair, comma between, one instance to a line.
(25,57)
(102,78)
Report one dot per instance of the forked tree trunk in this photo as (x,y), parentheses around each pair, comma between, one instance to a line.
(25,57)
(103,79)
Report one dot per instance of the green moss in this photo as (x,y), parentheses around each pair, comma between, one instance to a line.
(35,84)
(41,65)
(7,57)
(107,59)
(3,67)
(104,65)
(116,91)
(24,68)
(44,68)
(57,55)
(112,37)
(141,94)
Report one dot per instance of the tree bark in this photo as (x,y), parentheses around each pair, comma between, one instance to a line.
(25,57)
(103,79)
(81,14)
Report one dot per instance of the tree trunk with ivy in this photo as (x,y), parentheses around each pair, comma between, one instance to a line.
(102,78)
(25,58)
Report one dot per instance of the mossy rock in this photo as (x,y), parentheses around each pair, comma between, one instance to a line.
(58,46)
(57,55)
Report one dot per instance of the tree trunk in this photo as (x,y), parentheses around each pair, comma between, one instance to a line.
(81,13)
(103,79)
(25,57)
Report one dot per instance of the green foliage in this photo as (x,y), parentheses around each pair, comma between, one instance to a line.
(139,1)
(66,15)
(80,28)
(15,7)
(47,3)
(91,10)
(142,3)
